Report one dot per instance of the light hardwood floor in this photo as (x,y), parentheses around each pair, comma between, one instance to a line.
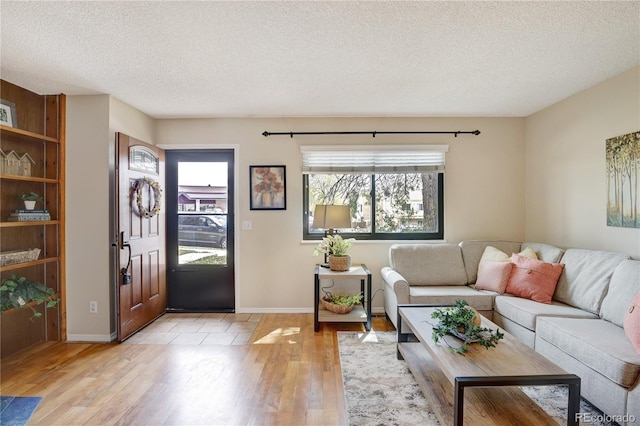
(286,374)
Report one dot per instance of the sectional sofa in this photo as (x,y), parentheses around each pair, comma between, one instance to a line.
(580,328)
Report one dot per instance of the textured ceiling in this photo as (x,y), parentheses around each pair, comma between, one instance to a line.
(242,59)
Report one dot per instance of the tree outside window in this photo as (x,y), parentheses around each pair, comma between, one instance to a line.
(383,206)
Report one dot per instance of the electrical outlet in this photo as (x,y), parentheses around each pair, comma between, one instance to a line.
(93,307)
(247,225)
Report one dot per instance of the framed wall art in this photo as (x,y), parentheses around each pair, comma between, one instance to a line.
(8,114)
(623,180)
(268,187)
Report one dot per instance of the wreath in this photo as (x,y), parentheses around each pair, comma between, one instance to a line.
(157,197)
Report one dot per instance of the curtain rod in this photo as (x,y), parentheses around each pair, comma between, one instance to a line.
(373,133)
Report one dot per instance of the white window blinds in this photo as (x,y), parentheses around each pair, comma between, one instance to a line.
(373,159)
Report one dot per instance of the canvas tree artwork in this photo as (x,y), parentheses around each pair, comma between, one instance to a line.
(623,180)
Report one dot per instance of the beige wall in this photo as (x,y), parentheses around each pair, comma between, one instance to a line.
(483,197)
(541,178)
(87,216)
(565,166)
(91,125)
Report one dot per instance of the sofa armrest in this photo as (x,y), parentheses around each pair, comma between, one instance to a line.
(398,283)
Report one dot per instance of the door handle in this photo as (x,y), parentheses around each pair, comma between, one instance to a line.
(122,242)
(126,275)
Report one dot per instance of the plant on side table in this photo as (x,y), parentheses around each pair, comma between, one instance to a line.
(337,248)
(18,292)
(340,304)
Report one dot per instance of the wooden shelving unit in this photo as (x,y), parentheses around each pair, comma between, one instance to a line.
(40,132)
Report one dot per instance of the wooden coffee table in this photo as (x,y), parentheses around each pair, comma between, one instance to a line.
(493,375)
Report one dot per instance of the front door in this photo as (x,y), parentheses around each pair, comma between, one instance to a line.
(200,232)
(141,234)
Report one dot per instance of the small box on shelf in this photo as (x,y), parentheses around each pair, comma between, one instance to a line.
(19,256)
(29,216)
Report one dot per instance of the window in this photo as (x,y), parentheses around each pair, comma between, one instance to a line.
(394,192)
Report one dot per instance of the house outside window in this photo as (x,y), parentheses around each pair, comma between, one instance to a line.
(393,192)
(203,199)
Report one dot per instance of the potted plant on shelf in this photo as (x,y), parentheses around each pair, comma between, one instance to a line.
(337,248)
(18,292)
(30,199)
(340,304)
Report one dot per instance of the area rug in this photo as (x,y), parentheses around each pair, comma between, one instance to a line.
(380,390)
(16,410)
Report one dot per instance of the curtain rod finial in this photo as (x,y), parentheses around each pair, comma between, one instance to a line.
(476,132)
(265,133)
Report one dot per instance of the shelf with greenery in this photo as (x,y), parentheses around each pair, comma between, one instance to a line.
(37,141)
(20,292)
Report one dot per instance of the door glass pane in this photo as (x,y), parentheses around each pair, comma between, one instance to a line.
(202,213)
(143,160)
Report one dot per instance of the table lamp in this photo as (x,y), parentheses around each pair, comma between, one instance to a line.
(330,218)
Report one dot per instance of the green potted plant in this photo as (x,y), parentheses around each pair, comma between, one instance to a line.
(337,248)
(30,199)
(462,321)
(18,292)
(340,304)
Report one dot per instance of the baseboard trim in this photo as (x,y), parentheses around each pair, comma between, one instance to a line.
(374,311)
(101,338)
(274,311)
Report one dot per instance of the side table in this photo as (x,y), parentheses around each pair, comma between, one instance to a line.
(359,313)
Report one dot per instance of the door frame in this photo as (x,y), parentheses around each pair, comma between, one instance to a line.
(236,202)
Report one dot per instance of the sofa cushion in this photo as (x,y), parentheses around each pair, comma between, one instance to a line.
(525,311)
(448,295)
(493,276)
(625,283)
(533,279)
(472,252)
(545,252)
(492,254)
(595,343)
(428,264)
(632,322)
(586,277)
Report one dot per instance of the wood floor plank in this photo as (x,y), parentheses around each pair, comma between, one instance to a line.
(286,375)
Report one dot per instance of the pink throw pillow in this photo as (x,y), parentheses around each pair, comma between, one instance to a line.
(632,322)
(533,279)
(493,276)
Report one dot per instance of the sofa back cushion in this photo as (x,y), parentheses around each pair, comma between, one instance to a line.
(586,276)
(472,252)
(624,285)
(428,264)
(545,252)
